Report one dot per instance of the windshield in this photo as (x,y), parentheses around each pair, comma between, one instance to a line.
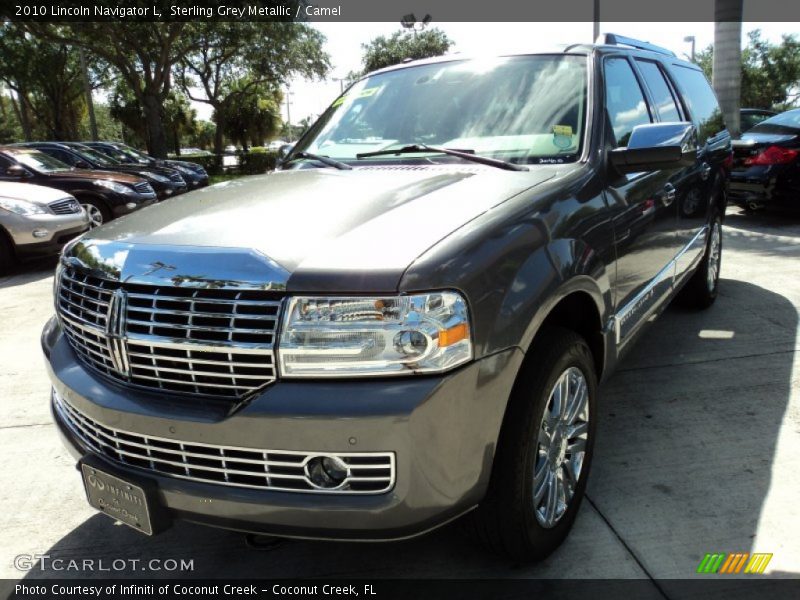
(525,109)
(789,120)
(95,157)
(38,161)
(135,155)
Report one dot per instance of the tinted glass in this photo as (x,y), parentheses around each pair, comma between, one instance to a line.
(625,101)
(703,105)
(523,109)
(65,157)
(96,157)
(788,120)
(665,106)
(750,120)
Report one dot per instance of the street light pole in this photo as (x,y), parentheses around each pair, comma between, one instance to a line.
(690,38)
(596,17)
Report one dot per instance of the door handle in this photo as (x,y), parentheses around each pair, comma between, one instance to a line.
(669,195)
(705,171)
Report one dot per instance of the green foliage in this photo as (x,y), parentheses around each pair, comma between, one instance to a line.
(255,163)
(202,136)
(10,130)
(252,115)
(770,72)
(383,52)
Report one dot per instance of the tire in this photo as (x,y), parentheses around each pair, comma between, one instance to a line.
(7,258)
(512,519)
(702,288)
(97,210)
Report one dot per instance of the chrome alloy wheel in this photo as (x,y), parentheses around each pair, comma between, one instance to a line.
(95,216)
(714,254)
(561,447)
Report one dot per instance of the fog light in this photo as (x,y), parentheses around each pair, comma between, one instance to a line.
(326,471)
(130,205)
(40,233)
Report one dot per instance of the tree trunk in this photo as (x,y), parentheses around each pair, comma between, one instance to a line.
(727,66)
(154,122)
(21,108)
(219,137)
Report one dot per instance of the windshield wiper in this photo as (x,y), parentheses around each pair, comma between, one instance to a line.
(325,160)
(465,154)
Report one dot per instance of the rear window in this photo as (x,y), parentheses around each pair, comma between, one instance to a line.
(787,120)
(701,101)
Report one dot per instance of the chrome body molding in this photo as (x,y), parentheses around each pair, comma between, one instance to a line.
(627,319)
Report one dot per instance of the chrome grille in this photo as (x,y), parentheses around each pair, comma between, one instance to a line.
(144,188)
(279,470)
(67,206)
(197,341)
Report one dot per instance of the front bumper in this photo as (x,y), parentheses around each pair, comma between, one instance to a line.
(43,234)
(443,431)
(132,204)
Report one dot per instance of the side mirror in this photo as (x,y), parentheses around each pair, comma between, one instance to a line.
(655,147)
(283,152)
(17,171)
(82,165)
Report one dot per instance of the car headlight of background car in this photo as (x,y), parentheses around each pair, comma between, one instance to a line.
(21,207)
(114,186)
(359,336)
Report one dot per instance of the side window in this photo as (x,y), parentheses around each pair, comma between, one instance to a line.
(64,157)
(665,105)
(625,101)
(701,101)
(4,164)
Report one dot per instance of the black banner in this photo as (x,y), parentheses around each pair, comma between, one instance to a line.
(381,10)
(417,589)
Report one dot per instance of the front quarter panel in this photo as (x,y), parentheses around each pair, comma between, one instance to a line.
(515,262)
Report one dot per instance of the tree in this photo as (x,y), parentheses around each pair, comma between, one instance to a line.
(383,52)
(142,54)
(253,117)
(202,136)
(47,78)
(229,60)
(770,72)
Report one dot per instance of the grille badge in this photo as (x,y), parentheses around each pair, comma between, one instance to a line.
(115,331)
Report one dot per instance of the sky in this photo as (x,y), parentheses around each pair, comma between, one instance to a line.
(344,40)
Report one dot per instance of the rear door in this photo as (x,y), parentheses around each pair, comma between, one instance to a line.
(644,211)
(707,179)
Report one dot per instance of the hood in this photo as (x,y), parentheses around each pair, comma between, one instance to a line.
(92,174)
(321,220)
(37,194)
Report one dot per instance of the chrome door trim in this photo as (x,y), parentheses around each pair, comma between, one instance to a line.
(627,319)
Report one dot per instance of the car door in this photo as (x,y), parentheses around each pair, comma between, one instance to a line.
(643,207)
(707,179)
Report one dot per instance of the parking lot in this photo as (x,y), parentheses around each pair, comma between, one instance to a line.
(697,449)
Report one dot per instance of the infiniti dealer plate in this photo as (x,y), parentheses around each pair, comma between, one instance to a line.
(117,498)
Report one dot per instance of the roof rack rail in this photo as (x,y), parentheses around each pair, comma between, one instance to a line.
(612,39)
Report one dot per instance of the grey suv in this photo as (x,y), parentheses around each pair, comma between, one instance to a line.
(406,323)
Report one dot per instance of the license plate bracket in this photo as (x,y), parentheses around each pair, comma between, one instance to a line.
(129,500)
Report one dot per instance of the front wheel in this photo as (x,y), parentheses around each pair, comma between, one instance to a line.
(544,454)
(97,211)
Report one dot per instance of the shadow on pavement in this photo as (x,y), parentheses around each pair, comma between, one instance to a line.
(688,429)
(687,434)
(27,272)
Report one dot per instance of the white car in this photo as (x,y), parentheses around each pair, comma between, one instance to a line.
(36,221)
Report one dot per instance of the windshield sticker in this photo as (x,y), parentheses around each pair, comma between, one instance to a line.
(562,136)
(365,93)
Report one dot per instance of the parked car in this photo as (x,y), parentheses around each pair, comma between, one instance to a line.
(426,346)
(194,174)
(103,195)
(166,182)
(766,166)
(36,221)
(750,117)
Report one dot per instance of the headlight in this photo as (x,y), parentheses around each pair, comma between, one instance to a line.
(114,186)
(22,207)
(346,337)
(155,176)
